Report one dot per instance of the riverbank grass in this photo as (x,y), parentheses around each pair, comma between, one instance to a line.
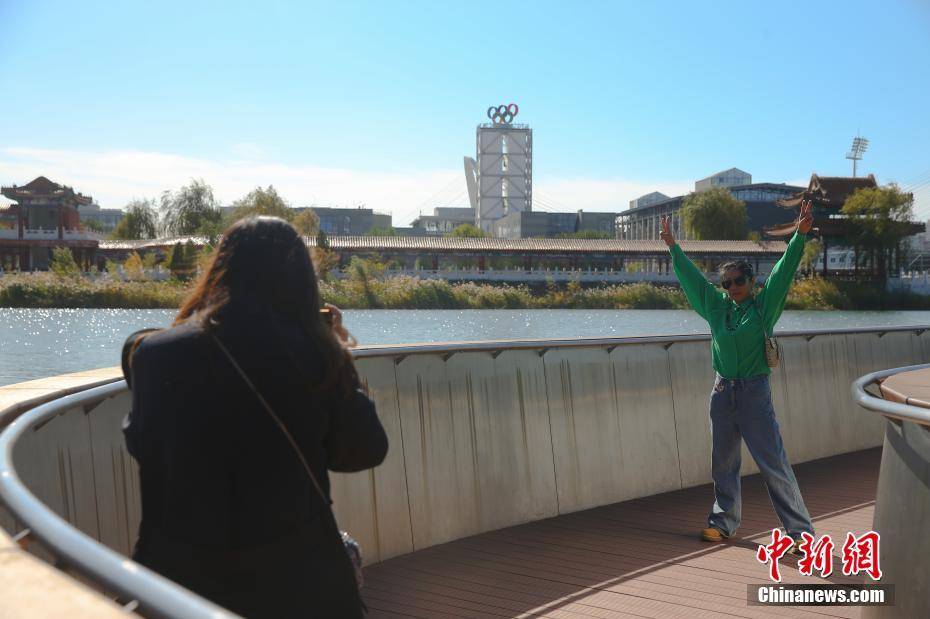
(367,289)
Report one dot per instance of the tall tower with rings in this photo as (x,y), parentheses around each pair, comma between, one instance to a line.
(500,178)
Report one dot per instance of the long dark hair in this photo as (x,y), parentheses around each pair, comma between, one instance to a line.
(262,266)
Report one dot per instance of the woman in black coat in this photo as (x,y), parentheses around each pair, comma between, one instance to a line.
(228,509)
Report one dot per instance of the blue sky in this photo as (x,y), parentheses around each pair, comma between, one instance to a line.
(376,102)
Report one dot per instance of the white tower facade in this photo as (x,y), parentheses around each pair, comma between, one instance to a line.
(503,167)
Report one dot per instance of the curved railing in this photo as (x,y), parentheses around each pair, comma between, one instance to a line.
(893,410)
(902,498)
(153,594)
(483,435)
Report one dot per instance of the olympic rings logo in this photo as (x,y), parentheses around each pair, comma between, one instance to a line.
(503,114)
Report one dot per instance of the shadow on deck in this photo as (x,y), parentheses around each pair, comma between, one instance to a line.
(639,558)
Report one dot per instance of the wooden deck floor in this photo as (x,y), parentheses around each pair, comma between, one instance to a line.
(639,558)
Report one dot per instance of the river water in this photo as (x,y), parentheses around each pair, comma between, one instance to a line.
(35,343)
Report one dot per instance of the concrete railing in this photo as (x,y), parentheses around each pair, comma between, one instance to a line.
(40,233)
(491,434)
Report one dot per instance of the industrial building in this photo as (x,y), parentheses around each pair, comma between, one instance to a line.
(443,221)
(107,218)
(644,220)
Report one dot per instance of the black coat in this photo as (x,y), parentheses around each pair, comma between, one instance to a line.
(228,510)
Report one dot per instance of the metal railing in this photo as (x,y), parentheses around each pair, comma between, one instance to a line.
(156,596)
(141,588)
(895,410)
(593,342)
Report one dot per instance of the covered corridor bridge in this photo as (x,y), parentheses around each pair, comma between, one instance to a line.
(543,478)
(433,253)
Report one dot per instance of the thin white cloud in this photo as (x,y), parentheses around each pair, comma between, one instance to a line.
(115,177)
(593,194)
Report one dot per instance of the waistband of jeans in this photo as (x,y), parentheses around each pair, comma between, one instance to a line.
(738,382)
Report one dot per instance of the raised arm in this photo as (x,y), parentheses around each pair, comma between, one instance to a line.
(701,293)
(775,289)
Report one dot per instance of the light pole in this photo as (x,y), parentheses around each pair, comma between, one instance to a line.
(859,146)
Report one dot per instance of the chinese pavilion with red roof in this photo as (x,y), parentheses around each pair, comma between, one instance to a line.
(828,194)
(43,217)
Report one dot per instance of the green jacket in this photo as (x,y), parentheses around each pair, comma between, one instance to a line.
(738,330)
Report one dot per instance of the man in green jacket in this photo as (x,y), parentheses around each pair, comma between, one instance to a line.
(740,319)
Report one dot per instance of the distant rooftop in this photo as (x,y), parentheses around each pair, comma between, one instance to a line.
(41,187)
(448,244)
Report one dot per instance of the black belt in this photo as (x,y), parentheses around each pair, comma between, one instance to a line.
(739,384)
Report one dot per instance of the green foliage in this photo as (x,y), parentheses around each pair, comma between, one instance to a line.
(306,222)
(468,231)
(324,261)
(63,264)
(191,210)
(261,202)
(813,249)
(183,260)
(365,286)
(41,290)
(150,260)
(203,257)
(363,275)
(93,225)
(878,219)
(140,221)
(715,215)
(382,231)
(584,234)
(816,293)
(880,214)
(322,241)
(133,267)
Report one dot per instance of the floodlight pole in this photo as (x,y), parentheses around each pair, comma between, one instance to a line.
(859,146)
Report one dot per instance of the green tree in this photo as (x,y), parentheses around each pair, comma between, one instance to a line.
(140,221)
(322,241)
(364,275)
(191,210)
(324,261)
(306,222)
(133,267)
(261,202)
(183,260)
(93,225)
(382,231)
(878,219)
(813,249)
(468,231)
(714,215)
(63,264)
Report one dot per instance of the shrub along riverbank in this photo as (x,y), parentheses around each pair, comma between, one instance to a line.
(366,289)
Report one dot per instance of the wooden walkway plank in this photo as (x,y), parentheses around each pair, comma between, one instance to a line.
(636,559)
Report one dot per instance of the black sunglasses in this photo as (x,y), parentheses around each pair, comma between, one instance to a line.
(739,281)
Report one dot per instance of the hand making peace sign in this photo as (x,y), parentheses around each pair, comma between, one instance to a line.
(666,234)
(806,218)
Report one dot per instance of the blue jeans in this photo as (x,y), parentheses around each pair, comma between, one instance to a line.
(743,408)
